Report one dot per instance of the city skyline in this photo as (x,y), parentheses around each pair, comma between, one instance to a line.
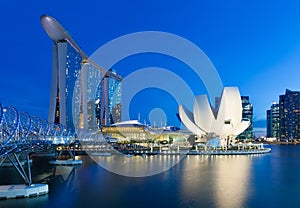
(254,46)
(283,117)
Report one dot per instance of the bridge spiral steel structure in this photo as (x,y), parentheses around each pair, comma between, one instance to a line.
(21,133)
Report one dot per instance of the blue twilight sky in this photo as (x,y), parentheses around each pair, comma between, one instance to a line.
(254,45)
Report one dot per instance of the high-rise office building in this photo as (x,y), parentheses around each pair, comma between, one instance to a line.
(273,119)
(76,80)
(268,123)
(289,114)
(247,114)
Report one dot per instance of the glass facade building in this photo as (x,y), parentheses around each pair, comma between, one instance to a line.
(73,91)
(110,105)
(66,65)
(114,103)
(273,120)
(73,66)
(83,94)
(268,123)
(247,114)
(84,97)
(289,113)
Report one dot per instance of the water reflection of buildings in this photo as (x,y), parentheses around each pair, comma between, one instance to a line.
(225,176)
(66,174)
(63,175)
(231,180)
(137,166)
(195,178)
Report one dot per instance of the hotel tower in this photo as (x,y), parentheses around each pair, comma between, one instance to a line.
(83,95)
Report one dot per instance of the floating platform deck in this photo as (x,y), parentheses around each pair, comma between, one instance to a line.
(230,152)
(22,190)
(100,154)
(65,162)
(209,152)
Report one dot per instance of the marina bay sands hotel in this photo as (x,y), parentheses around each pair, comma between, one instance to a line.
(83,94)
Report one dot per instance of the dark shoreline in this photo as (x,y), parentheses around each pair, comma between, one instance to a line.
(284,143)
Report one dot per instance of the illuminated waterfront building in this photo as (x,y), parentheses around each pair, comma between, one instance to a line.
(224,122)
(111,90)
(268,123)
(76,80)
(247,114)
(134,131)
(273,121)
(289,113)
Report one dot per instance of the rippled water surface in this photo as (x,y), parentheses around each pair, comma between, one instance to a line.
(271,180)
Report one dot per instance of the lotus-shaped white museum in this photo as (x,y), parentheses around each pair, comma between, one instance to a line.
(225,121)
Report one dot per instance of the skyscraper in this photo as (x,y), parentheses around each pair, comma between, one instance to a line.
(289,114)
(110,105)
(66,65)
(76,80)
(273,119)
(247,114)
(269,123)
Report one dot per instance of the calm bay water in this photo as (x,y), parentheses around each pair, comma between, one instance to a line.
(271,180)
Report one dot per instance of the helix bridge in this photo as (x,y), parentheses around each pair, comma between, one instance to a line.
(22,134)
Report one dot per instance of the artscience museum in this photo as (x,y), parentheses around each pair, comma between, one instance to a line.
(223,122)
